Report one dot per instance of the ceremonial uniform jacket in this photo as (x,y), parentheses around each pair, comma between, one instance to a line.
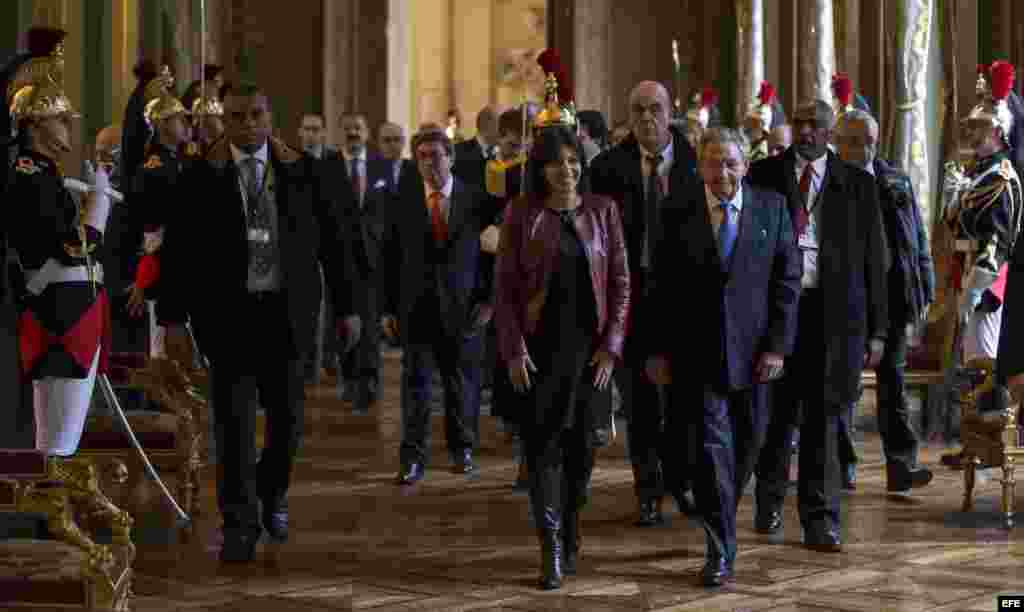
(154,198)
(63,317)
(986,223)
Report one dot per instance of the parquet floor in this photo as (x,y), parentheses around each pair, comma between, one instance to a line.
(361,543)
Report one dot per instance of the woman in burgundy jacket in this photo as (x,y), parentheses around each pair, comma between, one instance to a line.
(562,299)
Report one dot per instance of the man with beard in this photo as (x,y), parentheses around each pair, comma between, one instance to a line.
(839,232)
(911,289)
(652,163)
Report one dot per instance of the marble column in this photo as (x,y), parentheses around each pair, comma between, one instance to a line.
(399,32)
(910,142)
(593,53)
(817,50)
(751,67)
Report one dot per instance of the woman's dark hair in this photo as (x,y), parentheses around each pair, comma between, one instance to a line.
(547,147)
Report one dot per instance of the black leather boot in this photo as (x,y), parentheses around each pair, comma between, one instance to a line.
(545,494)
(576,496)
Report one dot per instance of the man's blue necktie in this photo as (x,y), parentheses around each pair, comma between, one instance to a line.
(726,233)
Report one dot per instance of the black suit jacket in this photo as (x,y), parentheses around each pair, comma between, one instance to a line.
(732,316)
(853,262)
(618,173)
(205,256)
(470,163)
(415,269)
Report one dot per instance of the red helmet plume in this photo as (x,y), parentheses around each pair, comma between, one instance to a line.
(767,93)
(842,87)
(1001,77)
(551,63)
(708,97)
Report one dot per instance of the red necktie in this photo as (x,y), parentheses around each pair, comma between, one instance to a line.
(359,184)
(437,222)
(801,218)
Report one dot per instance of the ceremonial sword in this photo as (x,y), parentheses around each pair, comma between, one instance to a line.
(111,397)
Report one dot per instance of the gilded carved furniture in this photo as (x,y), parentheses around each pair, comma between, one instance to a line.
(65,567)
(171,435)
(990,438)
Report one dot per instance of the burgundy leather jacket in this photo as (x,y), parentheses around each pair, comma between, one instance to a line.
(528,254)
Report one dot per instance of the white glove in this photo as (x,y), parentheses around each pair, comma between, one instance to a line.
(99,201)
(977,282)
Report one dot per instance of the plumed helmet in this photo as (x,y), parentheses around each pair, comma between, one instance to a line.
(160,103)
(992,107)
(36,90)
(764,105)
(703,107)
(559,108)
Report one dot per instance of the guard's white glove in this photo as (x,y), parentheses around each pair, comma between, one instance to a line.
(978,281)
(99,200)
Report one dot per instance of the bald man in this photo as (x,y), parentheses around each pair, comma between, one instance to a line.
(654,162)
(471,155)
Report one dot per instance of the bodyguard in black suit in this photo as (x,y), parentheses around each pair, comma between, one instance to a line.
(624,174)
(839,232)
(437,299)
(240,258)
(733,243)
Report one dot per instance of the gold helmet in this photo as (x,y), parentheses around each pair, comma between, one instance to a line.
(992,108)
(37,89)
(161,104)
(559,109)
(763,106)
(209,104)
(701,103)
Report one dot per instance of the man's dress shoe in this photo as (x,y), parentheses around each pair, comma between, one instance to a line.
(275,522)
(411,474)
(685,502)
(239,546)
(900,480)
(823,537)
(717,571)
(768,521)
(462,462)
(650,513)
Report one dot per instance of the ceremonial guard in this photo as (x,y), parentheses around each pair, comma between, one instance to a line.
(154,193)
(63,324)
(703,113)
(207,120)
(765,115)
(984,214)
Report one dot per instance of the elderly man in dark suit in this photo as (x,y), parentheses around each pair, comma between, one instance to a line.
(734,243)
(437,299)
(911,289)
(246,275)
(654,162)
(839,232)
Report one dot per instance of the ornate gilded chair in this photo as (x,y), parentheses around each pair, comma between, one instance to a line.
(990,434)
(61,565)
(172,435)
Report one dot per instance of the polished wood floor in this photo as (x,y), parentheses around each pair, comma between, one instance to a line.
(359,542)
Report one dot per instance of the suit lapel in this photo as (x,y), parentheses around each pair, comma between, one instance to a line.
(793,195)
(700,233)
(456,211)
